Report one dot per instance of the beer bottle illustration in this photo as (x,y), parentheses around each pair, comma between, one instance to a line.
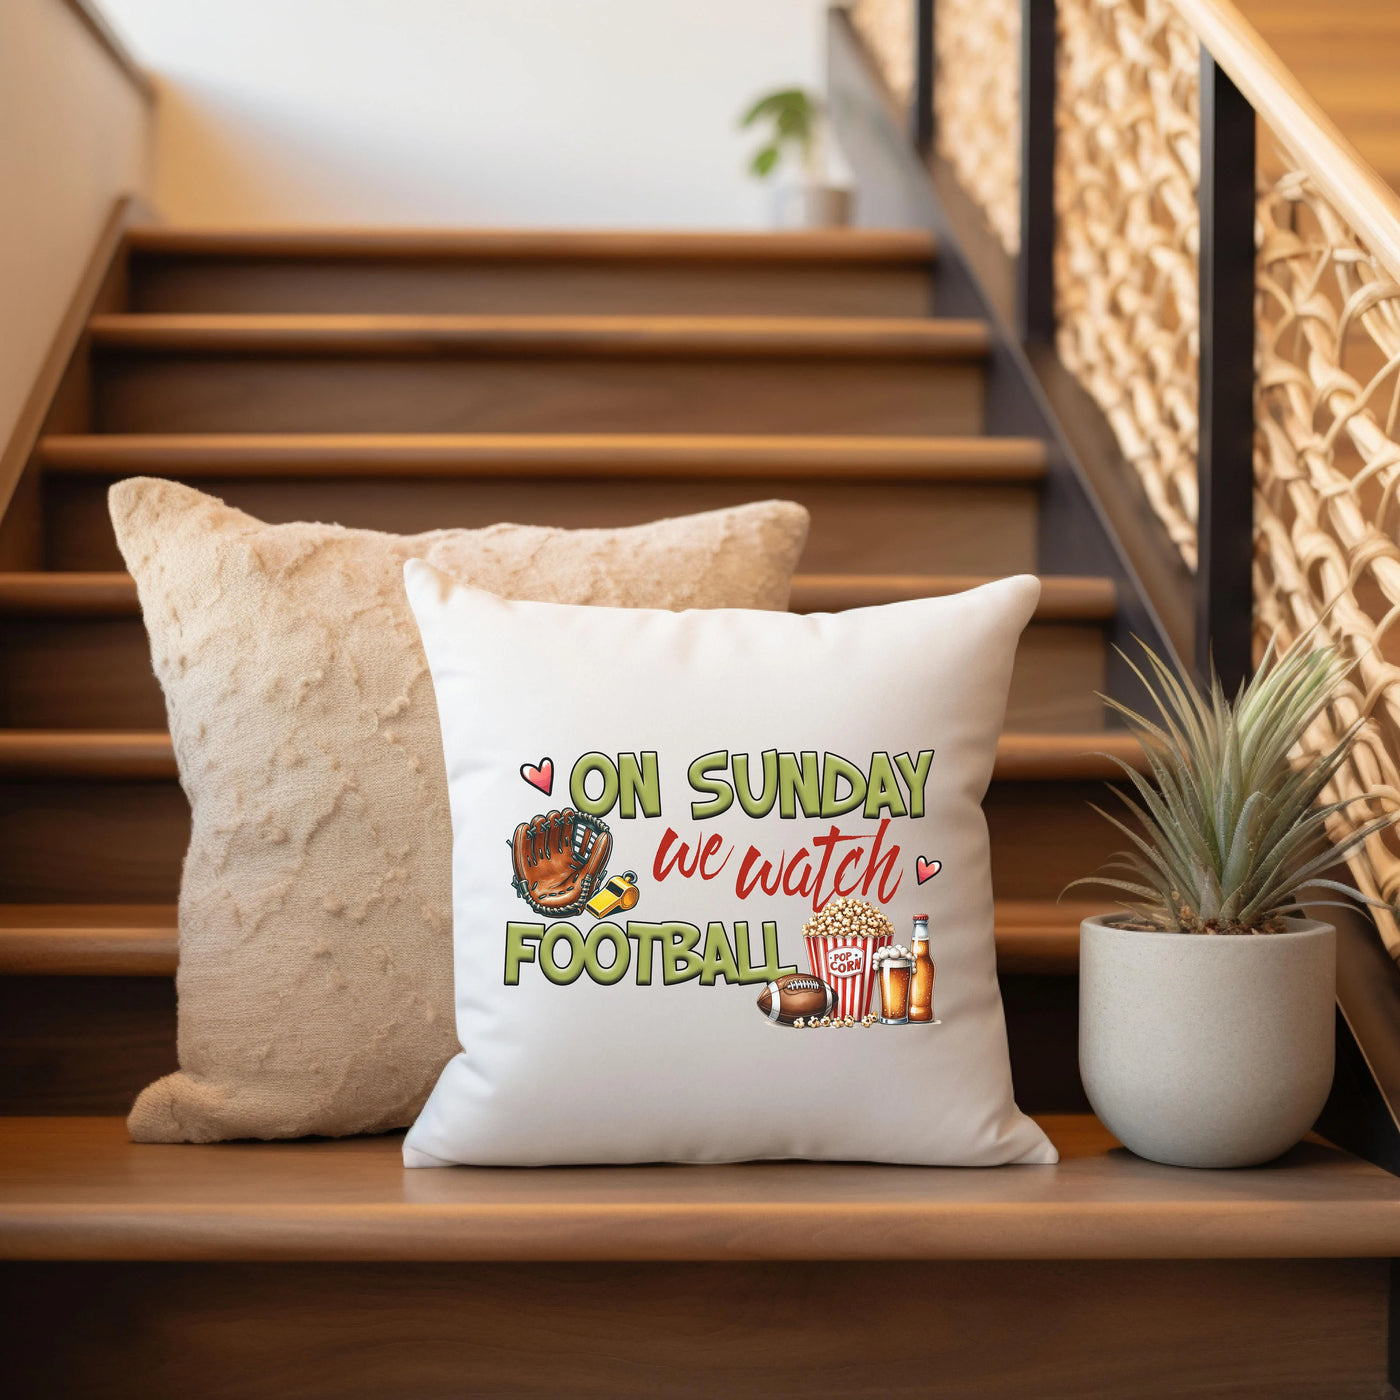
(921,979)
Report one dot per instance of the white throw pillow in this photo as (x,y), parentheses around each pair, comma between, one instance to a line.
(648,808)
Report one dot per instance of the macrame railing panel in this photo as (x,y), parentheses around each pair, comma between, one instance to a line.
(977,105)
(1127,166)
(887,29)
(1327,472)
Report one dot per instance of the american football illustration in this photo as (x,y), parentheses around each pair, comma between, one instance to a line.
(798,994)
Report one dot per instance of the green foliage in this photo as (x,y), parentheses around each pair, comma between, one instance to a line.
(793,114)
(1229,836)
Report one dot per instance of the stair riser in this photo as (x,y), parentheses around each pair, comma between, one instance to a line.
(83,1044)
(161,391)
(444,287)
(94,842)
(884,528)
(78,1045)
(95,673)
(974,1330)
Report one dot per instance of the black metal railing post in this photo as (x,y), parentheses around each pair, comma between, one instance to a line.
(1035,266)
(1225,457)
(921,110)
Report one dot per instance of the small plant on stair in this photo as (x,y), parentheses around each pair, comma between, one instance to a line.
(796,123)
(794,114)
(1202,1050)
(1232,830)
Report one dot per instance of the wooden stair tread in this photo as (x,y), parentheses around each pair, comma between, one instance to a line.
(117,754)
(1062,599)
(139,940)
(88,940)
(759,337)
(77,1188)
(796,457)
(111,754)
(97,594)
(845,247)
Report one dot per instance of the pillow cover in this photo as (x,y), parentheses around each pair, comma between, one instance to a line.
(315,977)
(682,842)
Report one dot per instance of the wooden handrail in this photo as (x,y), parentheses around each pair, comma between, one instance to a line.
(1334,165)
(96,24)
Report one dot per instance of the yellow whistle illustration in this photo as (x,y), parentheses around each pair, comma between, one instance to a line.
(618,894)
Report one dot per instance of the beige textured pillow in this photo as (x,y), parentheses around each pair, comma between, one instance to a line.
(315,981)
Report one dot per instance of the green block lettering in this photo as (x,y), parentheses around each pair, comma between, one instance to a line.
(769,968)
(562,933)
(915,775)
(719,957)
(593,763)
(646,937)
(519,937)
(636,782)
(721,795)
(834,768)
(883,791)
(799,786)
(761,805)
(682,961)
(605,974)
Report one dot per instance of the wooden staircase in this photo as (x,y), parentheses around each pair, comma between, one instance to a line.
(411,381)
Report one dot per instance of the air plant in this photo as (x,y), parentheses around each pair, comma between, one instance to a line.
(1230,834)
(795,115)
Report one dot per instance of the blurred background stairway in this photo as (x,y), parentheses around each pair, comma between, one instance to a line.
(405,381)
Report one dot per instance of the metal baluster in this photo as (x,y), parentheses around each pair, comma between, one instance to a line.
(1035,267)
(1225,459)
(921,112)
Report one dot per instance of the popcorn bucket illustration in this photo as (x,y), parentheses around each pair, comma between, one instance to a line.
(847,963)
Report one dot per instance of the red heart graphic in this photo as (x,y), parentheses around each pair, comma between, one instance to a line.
(541,777)
(927,869)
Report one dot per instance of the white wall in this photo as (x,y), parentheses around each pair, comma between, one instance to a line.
(504,112)
(73,137)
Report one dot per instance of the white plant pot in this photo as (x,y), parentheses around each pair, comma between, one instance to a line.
(812,205)
(1207,1050)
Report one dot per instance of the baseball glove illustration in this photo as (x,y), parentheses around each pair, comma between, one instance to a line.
(560,859)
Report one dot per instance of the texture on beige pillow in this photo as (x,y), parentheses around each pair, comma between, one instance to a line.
(315,980)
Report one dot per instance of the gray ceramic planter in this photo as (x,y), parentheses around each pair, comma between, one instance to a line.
(1207,1051)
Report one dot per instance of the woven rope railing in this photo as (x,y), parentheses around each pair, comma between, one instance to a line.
(1127,165)
(977,105)
(886,27)
(1327,471)
(1327,326)
(976,92)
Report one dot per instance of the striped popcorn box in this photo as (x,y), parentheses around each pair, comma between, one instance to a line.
(848,964)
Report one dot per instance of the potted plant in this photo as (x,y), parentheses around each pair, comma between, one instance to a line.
(796,122)
(1206,1007)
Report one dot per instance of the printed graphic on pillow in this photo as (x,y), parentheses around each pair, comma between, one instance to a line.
(857,974)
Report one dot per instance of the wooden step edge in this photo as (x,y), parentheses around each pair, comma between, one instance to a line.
(37,755)
(102,940)
(79,1189)
(1049,758)
(1062,599)
(776,457)
(89,952)
(890,248)
(116,755)
(622,337)
(1087,600)
(58,595)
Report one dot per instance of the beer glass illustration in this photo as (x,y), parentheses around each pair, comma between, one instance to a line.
(894,990)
